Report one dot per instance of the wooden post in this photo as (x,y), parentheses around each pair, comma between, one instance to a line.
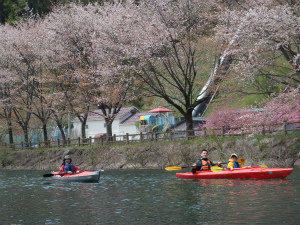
(284,128)
(49,144)
(263,130)
(90,140)
(78,141)
(39,144)
(127,138)
(242,131)
(186,133)
(29,145)
(101,139)
(69,142)
(171,135)
(22,145)
(141,136)
(204,131)
(114,139)
(223,131)
(58,143)
(155,136)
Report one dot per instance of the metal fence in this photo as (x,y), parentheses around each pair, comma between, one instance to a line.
(169,135)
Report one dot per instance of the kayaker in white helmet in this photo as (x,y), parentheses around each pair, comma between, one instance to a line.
(203,163)
(233,162)
(68,167)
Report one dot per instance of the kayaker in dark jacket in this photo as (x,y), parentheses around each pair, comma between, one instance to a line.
(233,162)
(203,163)
(68,167)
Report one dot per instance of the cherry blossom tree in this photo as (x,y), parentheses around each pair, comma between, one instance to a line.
(10,83)
(278,108)
(166,43)
(267,47)
(24,57)
(83,61)
(6,112)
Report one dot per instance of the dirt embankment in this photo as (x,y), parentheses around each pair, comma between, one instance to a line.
(273,152)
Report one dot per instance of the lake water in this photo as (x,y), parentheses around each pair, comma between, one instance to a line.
(147,197)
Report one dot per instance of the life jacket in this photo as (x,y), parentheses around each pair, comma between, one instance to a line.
(235,164)
(69,167)
(206,165)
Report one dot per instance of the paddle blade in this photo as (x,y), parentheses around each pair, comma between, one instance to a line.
(216,169)
(48,175)
(264,166)
(242,161)
(173,168)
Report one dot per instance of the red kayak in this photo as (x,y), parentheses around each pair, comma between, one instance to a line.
(239,173)
(84,176)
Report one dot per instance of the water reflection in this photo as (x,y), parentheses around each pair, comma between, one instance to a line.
(147,197)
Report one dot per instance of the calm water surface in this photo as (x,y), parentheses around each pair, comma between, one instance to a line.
(147,197)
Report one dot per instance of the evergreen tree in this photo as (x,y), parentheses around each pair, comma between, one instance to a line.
(11,10)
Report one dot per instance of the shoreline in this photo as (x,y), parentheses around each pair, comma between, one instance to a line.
(270,151)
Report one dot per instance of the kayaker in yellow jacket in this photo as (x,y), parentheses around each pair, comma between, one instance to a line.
(233,162)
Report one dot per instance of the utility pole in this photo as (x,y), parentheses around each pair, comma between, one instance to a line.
(69,125)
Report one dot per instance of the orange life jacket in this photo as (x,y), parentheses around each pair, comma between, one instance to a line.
(206,165)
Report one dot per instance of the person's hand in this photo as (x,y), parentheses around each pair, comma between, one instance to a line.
(77,171)
(69,172)
(231,168)
(219,163)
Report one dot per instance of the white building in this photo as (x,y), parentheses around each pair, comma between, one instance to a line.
(125,122)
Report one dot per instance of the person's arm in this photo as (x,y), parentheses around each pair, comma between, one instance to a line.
(77,170)
(197,166)
(61,170)
(215,164)
(230,165)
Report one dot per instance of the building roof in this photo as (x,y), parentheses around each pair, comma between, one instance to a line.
(136,117)
(97,114)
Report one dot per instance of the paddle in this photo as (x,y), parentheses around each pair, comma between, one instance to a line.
(176,167)
(263,166)
(51,175)
(62,174)
(213,168)
(242,161)
(217,168)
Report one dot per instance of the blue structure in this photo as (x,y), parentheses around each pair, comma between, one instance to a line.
(160,123)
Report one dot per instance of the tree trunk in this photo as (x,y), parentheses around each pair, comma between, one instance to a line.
(26,136)
(45,132)
(63,135)
(58,121)
(83,134)
(109,130)
(10,132)
(23,122)
(189,123)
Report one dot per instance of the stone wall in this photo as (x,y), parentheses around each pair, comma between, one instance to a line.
(271,151)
